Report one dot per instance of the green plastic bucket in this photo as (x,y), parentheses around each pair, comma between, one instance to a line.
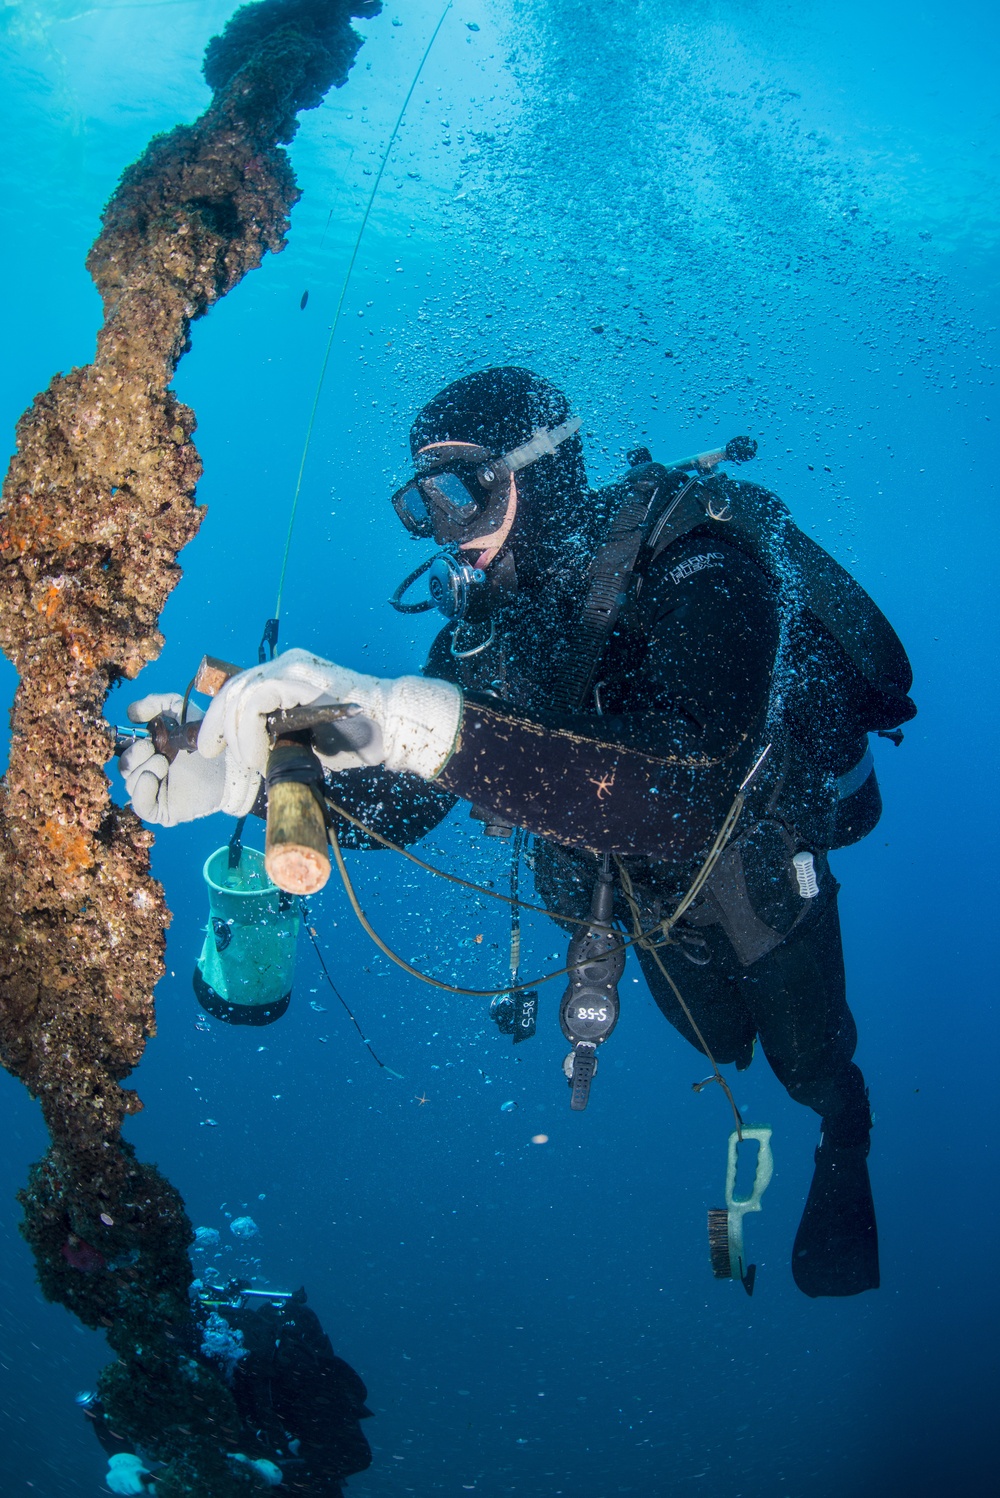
(247,964)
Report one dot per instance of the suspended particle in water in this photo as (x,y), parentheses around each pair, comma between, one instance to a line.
(539,1138)
(302,303)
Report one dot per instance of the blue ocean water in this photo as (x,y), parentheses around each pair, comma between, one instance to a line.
(700,217)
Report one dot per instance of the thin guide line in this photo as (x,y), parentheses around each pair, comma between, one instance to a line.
(340,303)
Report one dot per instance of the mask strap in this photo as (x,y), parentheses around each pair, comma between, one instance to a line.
(494,539)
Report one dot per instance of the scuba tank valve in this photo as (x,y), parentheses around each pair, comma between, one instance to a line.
(736,450)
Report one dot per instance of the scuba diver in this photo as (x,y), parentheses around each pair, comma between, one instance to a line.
(299,1405)
(621,673)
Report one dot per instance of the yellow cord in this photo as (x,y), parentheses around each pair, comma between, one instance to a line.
(640,938)
(665,927)
(479,889)
(472,993)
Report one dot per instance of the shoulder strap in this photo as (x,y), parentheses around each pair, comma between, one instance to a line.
(656,513)
(648,491)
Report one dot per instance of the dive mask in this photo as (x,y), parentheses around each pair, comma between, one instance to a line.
(464,495)
(459,489)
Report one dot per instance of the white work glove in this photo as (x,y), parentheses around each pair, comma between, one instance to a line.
(189,787)
(407,723)
(269,1474)
(126,1473)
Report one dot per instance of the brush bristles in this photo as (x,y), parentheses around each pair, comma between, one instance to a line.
(718,1243)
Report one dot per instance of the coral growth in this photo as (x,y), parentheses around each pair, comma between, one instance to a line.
(334,44)
(97,503)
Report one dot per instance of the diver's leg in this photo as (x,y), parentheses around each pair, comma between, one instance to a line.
(798,999)
(797,995)
(711,989)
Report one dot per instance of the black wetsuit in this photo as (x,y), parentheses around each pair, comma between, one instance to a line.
(303,1403)
(687,705)
(299,1405)
(727,642)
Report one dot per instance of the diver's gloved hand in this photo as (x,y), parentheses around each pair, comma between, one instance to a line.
(268,1473)
(189,787)
(126,1473)
(407,723)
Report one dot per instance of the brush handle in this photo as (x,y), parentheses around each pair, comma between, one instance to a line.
(295,847)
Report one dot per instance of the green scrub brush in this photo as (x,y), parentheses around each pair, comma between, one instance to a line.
(725,1224)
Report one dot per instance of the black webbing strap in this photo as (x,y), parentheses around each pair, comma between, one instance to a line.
(647,522)
(683,511)
(584,1067)
(292,760)
(609,580)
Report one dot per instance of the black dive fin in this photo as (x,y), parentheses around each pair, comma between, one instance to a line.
(836,1246)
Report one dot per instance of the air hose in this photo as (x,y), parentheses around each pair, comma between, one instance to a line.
(640,937)
(650,939)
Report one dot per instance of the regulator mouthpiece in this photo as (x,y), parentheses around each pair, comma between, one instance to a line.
(449,582)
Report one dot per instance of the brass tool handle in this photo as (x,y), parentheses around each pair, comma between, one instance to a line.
(212,675)
(295,846)
(171,737)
